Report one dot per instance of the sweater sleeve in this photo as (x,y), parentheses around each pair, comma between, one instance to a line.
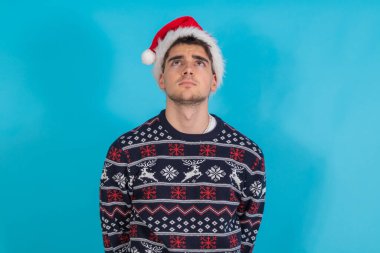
(250,210)
(115,199)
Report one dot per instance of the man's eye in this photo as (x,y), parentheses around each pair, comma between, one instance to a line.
(176,62)
(201,63)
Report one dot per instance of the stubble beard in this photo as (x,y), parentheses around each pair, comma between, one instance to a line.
(180,97)
(193,100)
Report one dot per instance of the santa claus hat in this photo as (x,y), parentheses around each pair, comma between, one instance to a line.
(178,28)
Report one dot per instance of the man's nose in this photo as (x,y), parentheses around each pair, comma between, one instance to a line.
(187,69)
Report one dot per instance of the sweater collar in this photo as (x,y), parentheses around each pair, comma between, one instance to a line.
(209,136)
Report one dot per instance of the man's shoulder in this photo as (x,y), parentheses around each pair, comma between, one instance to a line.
(230,135)
(147,131)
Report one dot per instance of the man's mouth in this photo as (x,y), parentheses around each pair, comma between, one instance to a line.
(187,83)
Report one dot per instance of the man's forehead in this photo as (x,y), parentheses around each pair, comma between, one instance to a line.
(182,49)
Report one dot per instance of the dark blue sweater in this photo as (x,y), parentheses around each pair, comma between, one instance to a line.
(165,191)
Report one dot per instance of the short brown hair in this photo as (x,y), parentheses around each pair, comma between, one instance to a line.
(189,40)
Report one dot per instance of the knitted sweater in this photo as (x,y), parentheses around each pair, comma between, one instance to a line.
(165,191)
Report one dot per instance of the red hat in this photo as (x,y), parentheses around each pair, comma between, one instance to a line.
(181,27)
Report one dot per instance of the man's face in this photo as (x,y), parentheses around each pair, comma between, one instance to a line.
(187,78)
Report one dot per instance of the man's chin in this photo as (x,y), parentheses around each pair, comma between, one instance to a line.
(187,100)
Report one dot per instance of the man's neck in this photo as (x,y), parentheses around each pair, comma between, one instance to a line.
(189,119)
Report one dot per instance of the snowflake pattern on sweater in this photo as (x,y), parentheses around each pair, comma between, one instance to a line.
(165,191)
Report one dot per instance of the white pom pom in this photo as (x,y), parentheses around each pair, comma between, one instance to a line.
(148,57)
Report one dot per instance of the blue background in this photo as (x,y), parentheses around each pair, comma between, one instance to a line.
(302,81)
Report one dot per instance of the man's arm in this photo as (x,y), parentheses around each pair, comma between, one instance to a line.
(251,206)
(115,200)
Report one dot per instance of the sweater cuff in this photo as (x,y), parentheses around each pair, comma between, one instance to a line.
(246,248)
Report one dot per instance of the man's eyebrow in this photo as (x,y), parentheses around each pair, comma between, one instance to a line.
(175,58)
(200,58)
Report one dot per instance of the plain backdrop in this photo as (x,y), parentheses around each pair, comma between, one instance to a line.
(302,81)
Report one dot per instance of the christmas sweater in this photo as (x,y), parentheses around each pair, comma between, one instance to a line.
(166,191)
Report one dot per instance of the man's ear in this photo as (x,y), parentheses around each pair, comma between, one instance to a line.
(161,82)
(213,84)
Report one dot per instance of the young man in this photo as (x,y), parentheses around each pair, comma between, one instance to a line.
(184,181)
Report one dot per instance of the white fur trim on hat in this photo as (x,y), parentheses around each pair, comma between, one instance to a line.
(172,36)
